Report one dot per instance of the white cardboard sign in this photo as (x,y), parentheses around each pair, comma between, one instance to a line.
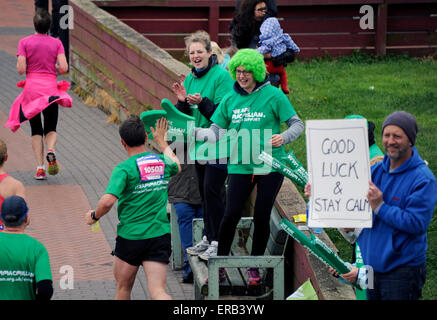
(339,173)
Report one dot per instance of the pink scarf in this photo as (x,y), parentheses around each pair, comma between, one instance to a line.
(37,89)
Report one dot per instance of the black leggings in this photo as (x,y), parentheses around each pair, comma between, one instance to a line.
(50,121)
(211,186)
(239,189)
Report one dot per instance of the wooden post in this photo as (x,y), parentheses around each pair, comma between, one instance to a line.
(381,30)
(213,22)
(176,245)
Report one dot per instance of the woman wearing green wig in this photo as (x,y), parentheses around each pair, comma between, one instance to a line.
(253,109)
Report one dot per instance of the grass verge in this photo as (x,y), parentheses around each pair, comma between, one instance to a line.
(373,87)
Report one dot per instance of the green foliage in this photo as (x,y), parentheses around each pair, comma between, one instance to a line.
(373,87)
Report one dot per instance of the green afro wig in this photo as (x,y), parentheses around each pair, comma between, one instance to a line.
(251,60)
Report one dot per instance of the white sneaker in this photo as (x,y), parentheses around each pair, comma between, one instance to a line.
(198,248)
(210,252)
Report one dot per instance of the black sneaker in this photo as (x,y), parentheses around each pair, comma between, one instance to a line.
(188,278)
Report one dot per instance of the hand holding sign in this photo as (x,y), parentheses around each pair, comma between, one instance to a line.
(374,195)
(338,165)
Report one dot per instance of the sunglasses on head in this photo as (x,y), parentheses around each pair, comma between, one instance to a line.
(261,9)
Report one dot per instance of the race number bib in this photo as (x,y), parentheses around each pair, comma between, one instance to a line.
(151,167)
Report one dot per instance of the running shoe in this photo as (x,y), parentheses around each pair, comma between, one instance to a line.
(254,279)
(40,174)
(210,252)
(198,248)
(53,167)
(222,275)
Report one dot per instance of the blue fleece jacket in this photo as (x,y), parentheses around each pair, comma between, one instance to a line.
(398,236)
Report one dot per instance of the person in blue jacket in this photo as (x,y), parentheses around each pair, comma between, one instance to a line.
(403,195)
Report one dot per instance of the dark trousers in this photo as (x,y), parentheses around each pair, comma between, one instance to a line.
(50,121)
(403,283)
(186,213)
(212,191)
(239,189)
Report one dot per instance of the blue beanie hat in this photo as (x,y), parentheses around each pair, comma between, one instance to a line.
(14,208)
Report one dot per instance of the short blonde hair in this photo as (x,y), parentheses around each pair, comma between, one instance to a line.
(218,52)
(3,152)
(230,50)
(198,36)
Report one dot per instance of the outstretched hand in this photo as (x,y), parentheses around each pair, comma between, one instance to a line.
(179,90)
(182,78)
(160,137)
(160,131)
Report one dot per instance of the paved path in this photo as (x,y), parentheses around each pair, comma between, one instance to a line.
(88,148)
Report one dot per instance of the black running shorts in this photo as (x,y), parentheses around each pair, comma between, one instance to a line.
(135,252)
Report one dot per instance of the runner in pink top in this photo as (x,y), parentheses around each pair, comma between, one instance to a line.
(41,52)
(41,56)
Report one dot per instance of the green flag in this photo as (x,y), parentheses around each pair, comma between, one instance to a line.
(317,247)
(296,173)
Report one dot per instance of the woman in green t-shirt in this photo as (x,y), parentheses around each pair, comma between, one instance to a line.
(253,110)
(199,95)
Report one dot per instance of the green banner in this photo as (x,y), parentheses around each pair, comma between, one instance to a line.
(317,247)
(295,172)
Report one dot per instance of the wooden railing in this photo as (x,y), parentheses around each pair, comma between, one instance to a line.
(319,27)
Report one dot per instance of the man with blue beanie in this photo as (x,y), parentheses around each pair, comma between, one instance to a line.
(402,194)
(25,272)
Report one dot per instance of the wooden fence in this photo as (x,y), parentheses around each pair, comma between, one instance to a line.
(319,27)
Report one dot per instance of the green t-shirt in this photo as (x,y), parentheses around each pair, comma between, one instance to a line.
(140,184)
(214,85)
(254,118)
(24,261)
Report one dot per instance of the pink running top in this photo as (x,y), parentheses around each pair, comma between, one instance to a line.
(2,176)
(41,52)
